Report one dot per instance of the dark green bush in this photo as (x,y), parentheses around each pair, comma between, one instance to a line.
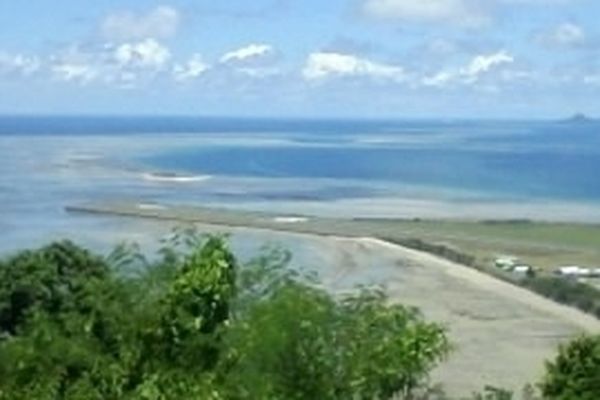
(56,279)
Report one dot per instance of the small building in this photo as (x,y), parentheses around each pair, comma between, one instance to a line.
(506,263)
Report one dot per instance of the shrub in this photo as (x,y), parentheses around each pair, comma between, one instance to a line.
(575,372)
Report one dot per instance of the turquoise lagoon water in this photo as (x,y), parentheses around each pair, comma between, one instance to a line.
(319,166)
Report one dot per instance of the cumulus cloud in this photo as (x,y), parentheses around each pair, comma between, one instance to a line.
(472,72)
(192,69)
(483,63)
(250,52)
(18,64)
(121,65)
(129,64)
(256,60)
(160,23)
(325,65)
(564,35)
(145,54)
(136,63)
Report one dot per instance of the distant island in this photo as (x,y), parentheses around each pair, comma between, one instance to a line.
(579,118)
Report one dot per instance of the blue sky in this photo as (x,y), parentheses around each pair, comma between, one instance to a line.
(312,58)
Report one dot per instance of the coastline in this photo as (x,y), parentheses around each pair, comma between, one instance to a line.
(374,231)
(545,244)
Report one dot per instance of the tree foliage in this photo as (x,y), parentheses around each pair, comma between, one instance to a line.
(196,325)
(56,278)
(575,372)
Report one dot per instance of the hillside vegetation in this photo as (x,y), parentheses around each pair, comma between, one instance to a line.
(194,324)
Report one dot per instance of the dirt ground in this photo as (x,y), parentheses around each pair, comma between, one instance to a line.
(502,333)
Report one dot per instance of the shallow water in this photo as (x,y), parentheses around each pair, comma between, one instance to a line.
(349,168)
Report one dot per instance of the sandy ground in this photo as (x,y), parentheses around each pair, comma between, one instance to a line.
(502,333)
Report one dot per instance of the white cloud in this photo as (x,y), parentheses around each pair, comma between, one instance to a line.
(80,73)
(19,64)
(145,54)
(161,22)
(192,69)
(325,65)
(461,12)
(138,63)
(483,63)
(252,51)
(439,79)
(122,65)
(472,72)
(131,64)
(565,35)
(253,61)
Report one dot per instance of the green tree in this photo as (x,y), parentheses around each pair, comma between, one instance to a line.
(575,372)
(56,278)
(301,343)
(196,325)
(197,304)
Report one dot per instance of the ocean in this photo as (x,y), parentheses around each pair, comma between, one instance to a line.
(402,169)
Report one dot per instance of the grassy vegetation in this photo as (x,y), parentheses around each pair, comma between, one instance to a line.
(545,245)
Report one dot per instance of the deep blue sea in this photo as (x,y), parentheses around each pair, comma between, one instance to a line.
(426,168)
